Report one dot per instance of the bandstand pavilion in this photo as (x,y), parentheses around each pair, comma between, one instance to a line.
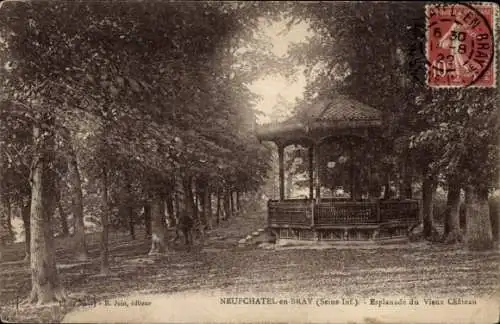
(330,219)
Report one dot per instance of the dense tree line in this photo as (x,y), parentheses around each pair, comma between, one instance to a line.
(137,107)
(431,138)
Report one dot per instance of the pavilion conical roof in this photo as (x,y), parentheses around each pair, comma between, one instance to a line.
(328,114)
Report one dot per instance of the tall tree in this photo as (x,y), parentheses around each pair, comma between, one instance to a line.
(75,185)
(452,231)
(158,242)
(105,220)
(4,229)
(46,285)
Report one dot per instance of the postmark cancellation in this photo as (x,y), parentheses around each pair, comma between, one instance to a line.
(460,45)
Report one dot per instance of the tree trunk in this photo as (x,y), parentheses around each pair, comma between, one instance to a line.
(202,198)
(162,214)
(428,192)
(494,209)
(4,217)
(158,245)
(5,208)
(104,222)
(45,284)
(194,202)
(25,213)
(170,209)
(129,206)
(147,219)
(479,233)
(177,204)
(4,233)
(452,222)
(238,200)
(463,218)
(62,215)
(194,194)
(227,204)
(189,203)
(12,235)
(131,223)
(63,218)
(218,207)
(231,201)
(79,244)
(208,208)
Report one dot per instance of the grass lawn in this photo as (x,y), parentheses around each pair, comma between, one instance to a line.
(416,269)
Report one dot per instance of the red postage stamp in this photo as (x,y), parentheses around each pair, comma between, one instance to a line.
(460,45)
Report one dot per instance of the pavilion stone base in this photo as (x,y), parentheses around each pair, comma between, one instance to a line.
(377,234)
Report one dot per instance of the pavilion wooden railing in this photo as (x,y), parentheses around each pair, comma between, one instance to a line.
(289,213)
(345,212)
(298,212)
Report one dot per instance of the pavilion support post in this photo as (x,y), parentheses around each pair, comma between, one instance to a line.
(314,179)
(316,164)
(352,173)
(281,151)
(311,172)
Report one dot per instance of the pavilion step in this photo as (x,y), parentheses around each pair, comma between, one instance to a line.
(257,236)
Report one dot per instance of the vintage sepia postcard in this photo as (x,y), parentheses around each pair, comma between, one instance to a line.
(249,162)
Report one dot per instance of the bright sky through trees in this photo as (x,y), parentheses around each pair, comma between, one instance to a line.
(270,88)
